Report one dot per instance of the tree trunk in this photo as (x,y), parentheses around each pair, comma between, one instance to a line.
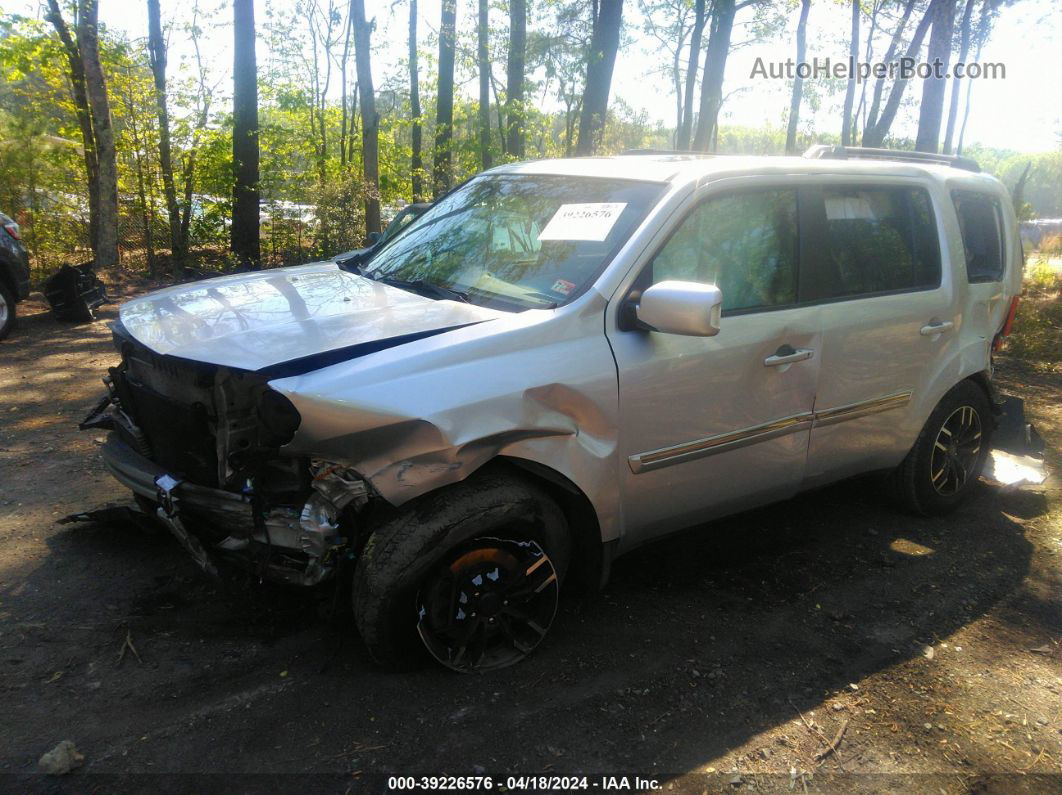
(442,155)
(146,208)
(514,82)
(145,216)
(319,105)
(500,110)
(700,13)
(245,230)
(890,55)
(483,57)
(202,117)
(353,119)
(934,89)
(956,84)
(416,162)
(79,93)
(96,87)
(601,60)
(343,90)
(874,134)
(1018,194)
(798,82)
(189,185)
(569,118)
(370,120)
(157,54)
(859,118)
(849,93)
(676,77)
(723,14)
(983,28)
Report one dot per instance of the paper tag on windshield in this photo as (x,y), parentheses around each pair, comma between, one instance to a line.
(582,221)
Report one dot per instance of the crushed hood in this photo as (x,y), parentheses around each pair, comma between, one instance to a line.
(288,319)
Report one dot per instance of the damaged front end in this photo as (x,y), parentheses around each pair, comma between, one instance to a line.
(200,447)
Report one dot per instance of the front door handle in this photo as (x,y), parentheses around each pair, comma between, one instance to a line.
(936,327)
(787,355)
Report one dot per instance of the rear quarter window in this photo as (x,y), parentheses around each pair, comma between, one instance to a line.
(981,224)
(878,240)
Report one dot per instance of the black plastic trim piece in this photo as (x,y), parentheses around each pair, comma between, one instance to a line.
(318,361)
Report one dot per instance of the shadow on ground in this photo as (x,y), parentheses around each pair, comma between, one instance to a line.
(699,643)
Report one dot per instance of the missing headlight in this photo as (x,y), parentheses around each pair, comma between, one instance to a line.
(279,419)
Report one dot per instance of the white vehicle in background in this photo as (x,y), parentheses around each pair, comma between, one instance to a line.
(560,361)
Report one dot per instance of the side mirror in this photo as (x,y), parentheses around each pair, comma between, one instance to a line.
(689,308)
(373,238)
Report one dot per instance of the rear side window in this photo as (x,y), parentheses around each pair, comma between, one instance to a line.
(981,224)
(878,240)
(744,243)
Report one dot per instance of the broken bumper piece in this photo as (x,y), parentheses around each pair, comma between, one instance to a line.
(141,475)
(285,544)
(1017,458)
(167,512)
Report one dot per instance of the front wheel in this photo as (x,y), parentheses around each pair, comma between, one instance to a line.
(945,463)
(488,605)
(471,574)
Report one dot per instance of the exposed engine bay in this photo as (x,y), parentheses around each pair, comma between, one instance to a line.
(199,444)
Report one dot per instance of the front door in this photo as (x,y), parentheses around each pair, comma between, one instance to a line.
(711,425)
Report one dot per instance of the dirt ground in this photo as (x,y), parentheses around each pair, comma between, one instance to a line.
(726,658)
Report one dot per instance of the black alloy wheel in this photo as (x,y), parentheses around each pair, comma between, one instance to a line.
(488,605)
(956,451)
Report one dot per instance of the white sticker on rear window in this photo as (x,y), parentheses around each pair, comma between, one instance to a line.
(582,221)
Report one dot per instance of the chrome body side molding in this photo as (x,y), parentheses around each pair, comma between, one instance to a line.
(687,451)
(710,445)
(862,409)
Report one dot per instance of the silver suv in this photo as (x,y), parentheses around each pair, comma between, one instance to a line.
(560,361)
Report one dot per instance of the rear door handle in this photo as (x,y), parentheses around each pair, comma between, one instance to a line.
(780,358)
(936,327)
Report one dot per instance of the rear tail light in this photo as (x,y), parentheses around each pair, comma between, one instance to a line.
(1008,324)
(13,230)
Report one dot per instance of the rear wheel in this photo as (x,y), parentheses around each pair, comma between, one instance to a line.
(7,311)
(471,574)
(945,463)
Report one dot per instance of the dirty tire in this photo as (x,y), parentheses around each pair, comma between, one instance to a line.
(912,481)
(404,548)
(7,311)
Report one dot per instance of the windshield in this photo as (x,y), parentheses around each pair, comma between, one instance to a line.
(517,242)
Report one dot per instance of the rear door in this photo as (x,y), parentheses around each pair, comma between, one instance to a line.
(889,320)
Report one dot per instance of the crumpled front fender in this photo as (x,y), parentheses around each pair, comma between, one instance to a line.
(427,414)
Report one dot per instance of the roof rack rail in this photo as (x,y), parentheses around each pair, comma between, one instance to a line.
(687,152)
(828,152)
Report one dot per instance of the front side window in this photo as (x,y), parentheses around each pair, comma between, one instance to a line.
(878,240)
(518,242)
(981,224)
(744,243)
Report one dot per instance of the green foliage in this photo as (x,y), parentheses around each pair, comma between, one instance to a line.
(1038,324)
(340,212)
(311,186)
(40,151)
